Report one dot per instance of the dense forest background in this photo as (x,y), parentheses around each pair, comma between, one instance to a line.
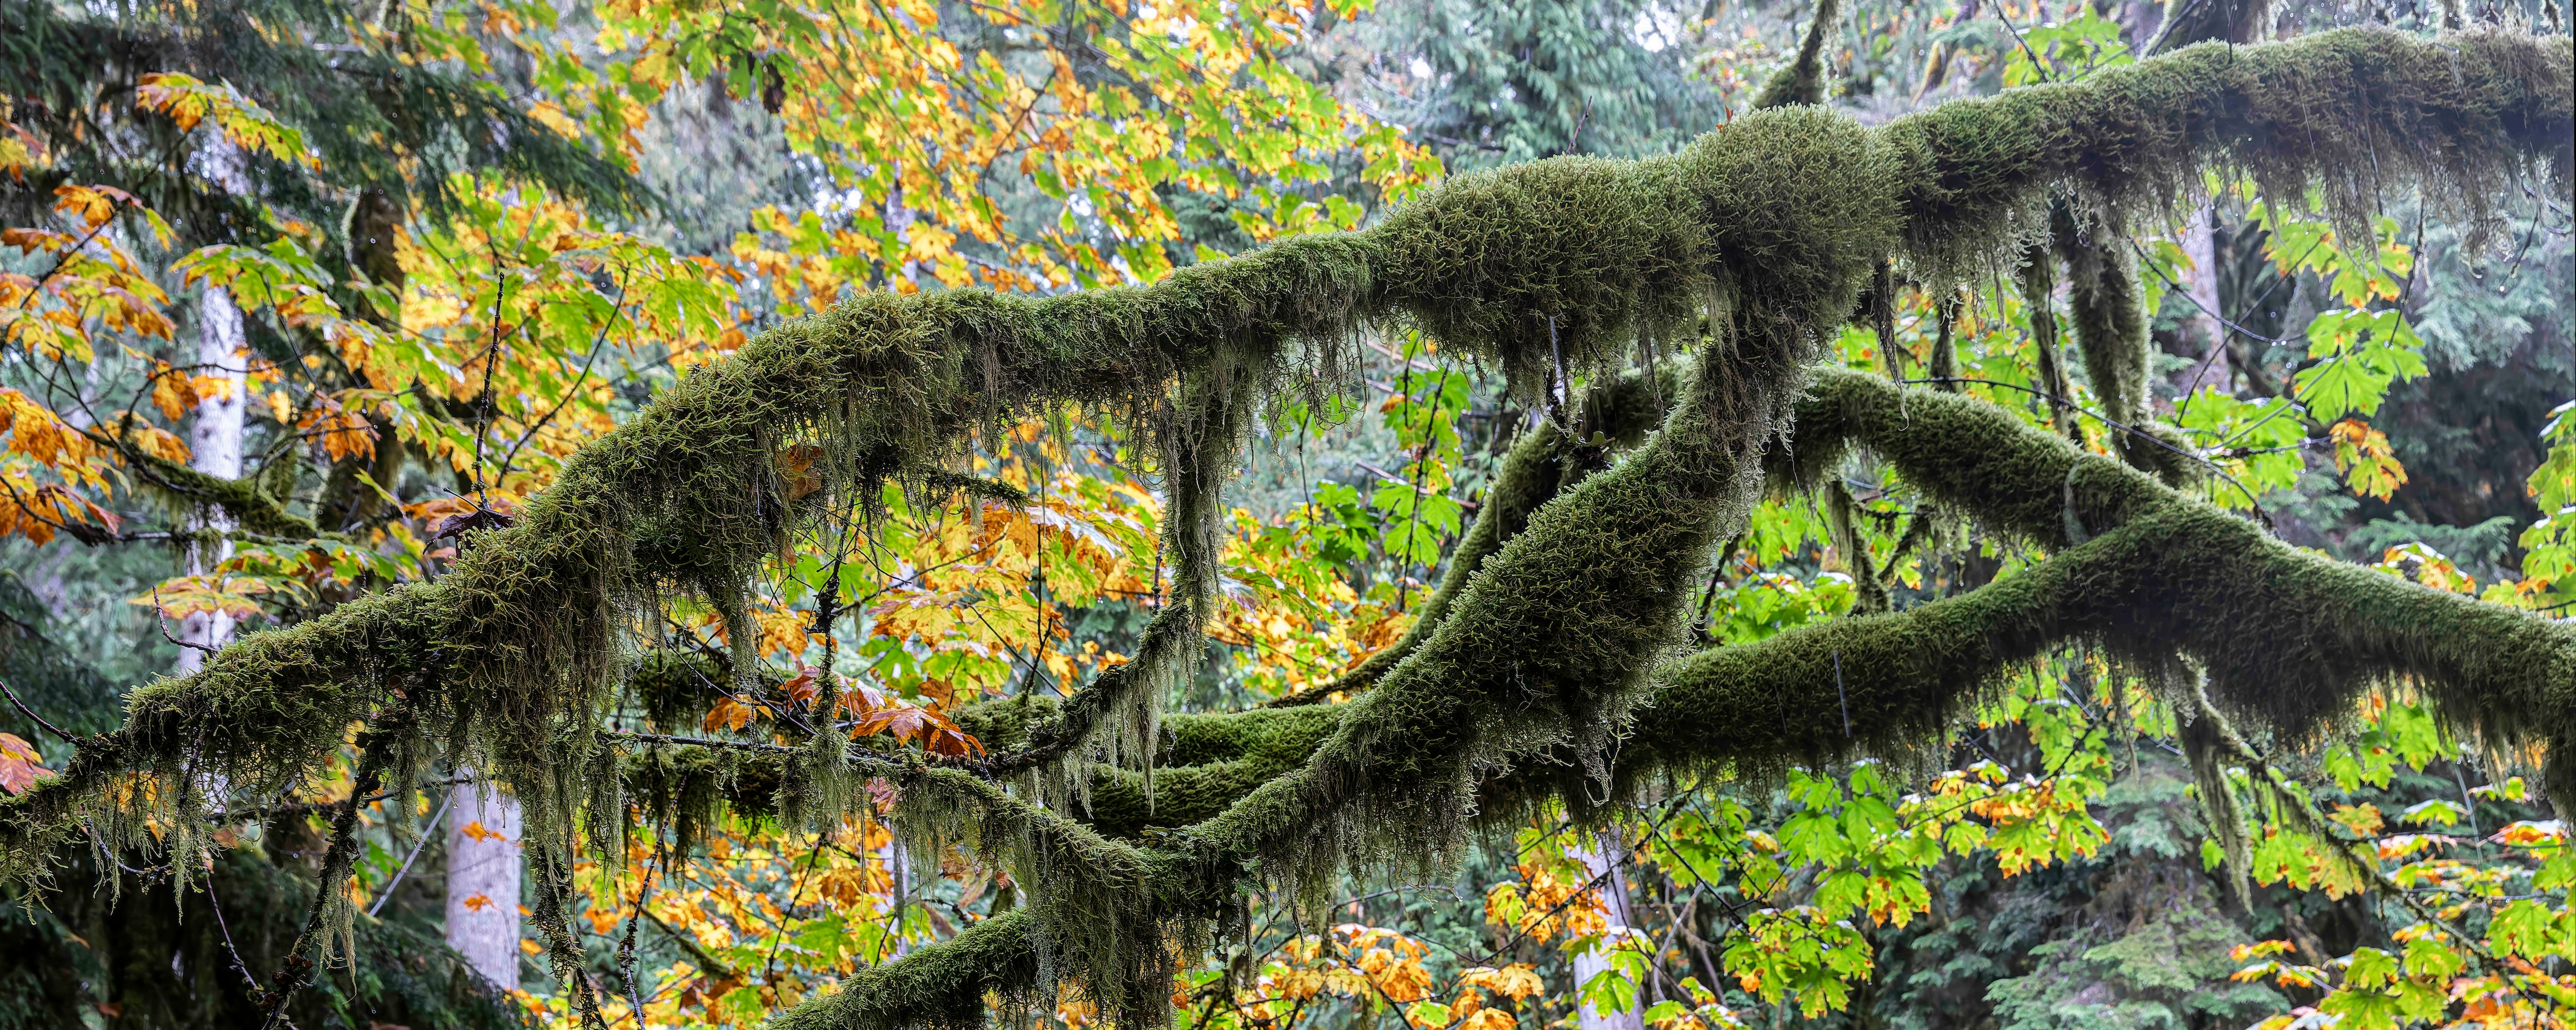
(551,212)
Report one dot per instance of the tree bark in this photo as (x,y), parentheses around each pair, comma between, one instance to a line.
(484,865)
(1601,860)
(2202,329)
(215,440)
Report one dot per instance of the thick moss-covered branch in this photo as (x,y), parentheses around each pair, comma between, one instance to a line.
(1966,455)
(2286,635)
(1544,462)
(2358,112)
(2283,634)
(940,986)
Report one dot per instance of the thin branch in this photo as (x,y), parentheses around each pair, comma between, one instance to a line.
(31,715)
(161,616)
(431,827)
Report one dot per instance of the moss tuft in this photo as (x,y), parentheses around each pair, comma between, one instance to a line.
(1802,80)
(2357,112)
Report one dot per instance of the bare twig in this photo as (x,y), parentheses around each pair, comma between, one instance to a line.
(31,715)
(427,829)
(161,616)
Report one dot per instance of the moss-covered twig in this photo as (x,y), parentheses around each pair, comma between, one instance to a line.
(331,906)
(2108,317)
(1802,80)
(245,501)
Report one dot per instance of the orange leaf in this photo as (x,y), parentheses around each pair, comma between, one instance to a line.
(20,764)
(803,688)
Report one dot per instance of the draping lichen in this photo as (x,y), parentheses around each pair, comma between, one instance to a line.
(2108,316)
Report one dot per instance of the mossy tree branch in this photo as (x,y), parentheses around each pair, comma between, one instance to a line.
(2285,635)
(246,502)
(1803,80)
(1543,463)
(1766,229)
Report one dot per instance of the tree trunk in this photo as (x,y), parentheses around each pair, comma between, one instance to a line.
(899,878)
(1601,861)
(215,448)
(215,440)
(2202,329)
(483,869)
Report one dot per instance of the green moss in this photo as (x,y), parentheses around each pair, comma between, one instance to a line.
(1214,761)
(1263,735)
(940,986)
(671,688)
(1108,919)
(2357,112)
(2286,636)
(2108,316)
(1869,595)
(247,502)
(1802,80)
(1003,724)
(1541,464)
(2038,290)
